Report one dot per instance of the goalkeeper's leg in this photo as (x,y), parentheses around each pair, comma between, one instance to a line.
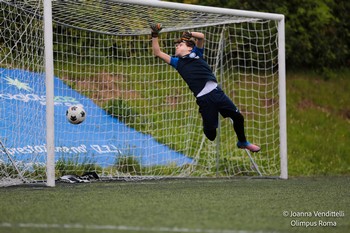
(210,133)
(238,125)
(228,109)
(210,116)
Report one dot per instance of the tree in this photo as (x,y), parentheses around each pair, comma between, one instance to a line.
(317,31)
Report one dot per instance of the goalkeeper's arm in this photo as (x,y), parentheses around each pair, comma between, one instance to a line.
(199,39)
(198,36)
(155,44)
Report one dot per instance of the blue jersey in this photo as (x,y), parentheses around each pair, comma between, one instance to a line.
(193,69)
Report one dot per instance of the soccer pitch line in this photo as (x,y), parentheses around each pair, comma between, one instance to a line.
(121,228)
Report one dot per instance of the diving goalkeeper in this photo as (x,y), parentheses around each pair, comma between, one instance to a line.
(195,71)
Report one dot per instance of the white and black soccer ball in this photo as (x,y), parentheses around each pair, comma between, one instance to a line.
(75,114)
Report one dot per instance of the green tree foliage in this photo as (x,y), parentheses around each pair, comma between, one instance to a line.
(317,31)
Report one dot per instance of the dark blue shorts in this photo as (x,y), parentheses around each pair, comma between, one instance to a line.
(213,103)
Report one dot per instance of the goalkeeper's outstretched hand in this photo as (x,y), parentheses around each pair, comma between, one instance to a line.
(156,28)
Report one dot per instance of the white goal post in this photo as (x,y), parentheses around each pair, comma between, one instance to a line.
(142,121)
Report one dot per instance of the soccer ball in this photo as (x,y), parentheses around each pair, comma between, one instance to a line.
(75,114)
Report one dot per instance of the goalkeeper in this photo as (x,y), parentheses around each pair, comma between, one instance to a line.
(195,71)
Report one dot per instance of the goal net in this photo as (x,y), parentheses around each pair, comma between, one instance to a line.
(141,119)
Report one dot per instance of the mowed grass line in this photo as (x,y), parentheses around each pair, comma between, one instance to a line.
(183,205)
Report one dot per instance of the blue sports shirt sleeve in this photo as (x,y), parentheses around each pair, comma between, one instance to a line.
(174,61)
(199,52)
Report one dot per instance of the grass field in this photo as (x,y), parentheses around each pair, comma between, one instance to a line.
(318,115)
(183,205)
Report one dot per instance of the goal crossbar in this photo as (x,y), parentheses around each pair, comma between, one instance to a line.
(205,9)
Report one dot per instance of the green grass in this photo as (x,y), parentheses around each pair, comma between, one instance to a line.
(188,205)
(318,114)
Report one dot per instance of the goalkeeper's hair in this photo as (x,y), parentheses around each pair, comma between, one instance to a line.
(190,43)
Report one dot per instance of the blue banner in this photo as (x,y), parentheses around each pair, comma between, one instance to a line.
(100,139)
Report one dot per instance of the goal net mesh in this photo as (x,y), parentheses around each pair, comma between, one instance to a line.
(142,120)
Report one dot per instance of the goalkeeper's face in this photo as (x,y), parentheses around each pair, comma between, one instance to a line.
(182,49)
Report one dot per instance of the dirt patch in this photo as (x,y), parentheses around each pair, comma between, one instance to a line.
(268,103)
(307,104)
(172,101)
(346,114)
(104,87)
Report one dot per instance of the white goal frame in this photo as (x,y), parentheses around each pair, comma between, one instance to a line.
(49,73)
(281,64)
